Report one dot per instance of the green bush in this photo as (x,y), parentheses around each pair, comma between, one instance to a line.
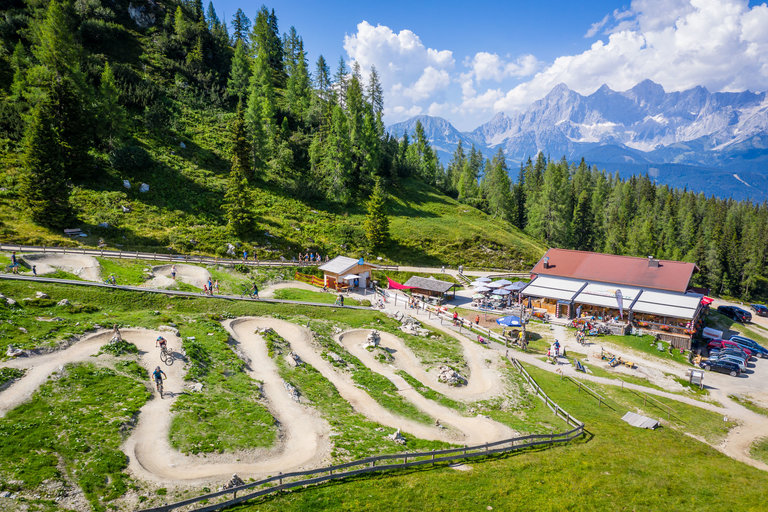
(119,348)
(9,374)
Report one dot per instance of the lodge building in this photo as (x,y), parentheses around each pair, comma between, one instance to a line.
(625,292)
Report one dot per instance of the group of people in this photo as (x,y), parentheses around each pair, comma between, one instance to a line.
(309,257)
(211,287)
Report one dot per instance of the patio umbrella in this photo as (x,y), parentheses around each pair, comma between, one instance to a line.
(484,279)
(503,282)
(351,277)
(516,286)
(483,289)
(478,283)
(478,296)
(501,291)
(509,321)
(495,284)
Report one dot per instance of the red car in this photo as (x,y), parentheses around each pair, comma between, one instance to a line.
(729,344)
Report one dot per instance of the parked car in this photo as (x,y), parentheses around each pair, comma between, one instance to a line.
(752,345)
(719,344)
(714,353)
(760,309)
(735,313)
(731,369)
(732,358)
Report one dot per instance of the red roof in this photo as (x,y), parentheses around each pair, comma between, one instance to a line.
(608,268)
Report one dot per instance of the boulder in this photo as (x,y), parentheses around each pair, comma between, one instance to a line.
(196,387)
(295,395)
(103,224)
(373,339)
(127,184)
(336,358)
(22,329)
(10,301)
(182,145)
(294,360)
(41,295)
(63,302)
(230,250)
(12,351)
(144,188)
(233,482)
(126,209)
(397,437)
(450,376)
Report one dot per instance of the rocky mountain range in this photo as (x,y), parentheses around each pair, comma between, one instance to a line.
(716,143)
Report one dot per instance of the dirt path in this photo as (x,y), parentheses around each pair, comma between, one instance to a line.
(269,291)
(303,436)
(190,274)
(476,429)
(83,266)
(300,339)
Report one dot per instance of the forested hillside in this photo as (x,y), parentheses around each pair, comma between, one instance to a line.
(239,138)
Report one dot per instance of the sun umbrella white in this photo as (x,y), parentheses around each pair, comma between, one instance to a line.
(478,296)
(494,284)
(503,282)
(483,289)
(351,277)
(501,291)
(478,283)
(484,279)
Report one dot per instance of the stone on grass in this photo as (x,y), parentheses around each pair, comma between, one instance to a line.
(63,302)
(127,184)
(41,295)
(294,360)
(230,250)
(295,395)
(10,301)
(235,481)
(450,376)
(373,339)
(335,357)
(12,351)
(397,437)
(144,188)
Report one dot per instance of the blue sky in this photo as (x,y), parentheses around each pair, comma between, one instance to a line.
(467,61)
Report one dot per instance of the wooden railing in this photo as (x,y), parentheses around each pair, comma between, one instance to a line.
(309,279)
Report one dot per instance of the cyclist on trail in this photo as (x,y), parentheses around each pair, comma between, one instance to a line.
(255,291)
(158,375)
(162,343)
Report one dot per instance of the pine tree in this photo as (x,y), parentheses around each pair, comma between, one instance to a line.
(323,79)
(376,92)
(112,114)
(269,48)
(241,150)
(582,223)
(497,187)
(237,202)
(340,80)
(468,189)
(455,167)
(377,220)
(241,28)
(240,72)
(43,182)
(298,92)
(211,18)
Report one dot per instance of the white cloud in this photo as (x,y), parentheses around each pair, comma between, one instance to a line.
(430,81)
(489,66)
(597,26)
(409,71)
(721,44)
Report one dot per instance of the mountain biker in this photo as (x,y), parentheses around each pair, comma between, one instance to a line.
(158,375)
(162,343)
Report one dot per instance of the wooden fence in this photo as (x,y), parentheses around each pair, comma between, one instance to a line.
(286,481)
(309,279)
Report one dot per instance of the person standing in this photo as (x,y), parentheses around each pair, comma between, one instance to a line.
(34,270)
(173,272)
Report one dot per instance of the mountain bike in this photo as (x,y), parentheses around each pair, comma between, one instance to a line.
(166,355)
(159,385)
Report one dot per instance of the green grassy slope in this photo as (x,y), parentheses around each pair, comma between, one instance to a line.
(182,210)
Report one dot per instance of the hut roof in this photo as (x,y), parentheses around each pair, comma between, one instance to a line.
(429,283)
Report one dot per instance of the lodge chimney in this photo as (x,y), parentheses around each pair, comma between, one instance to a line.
(546,262)
(653,262)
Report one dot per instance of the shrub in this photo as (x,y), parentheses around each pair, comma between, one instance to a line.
(127,159)
(9,374)
(119,348)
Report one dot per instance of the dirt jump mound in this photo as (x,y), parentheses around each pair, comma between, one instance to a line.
(83,266)
(190,274)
